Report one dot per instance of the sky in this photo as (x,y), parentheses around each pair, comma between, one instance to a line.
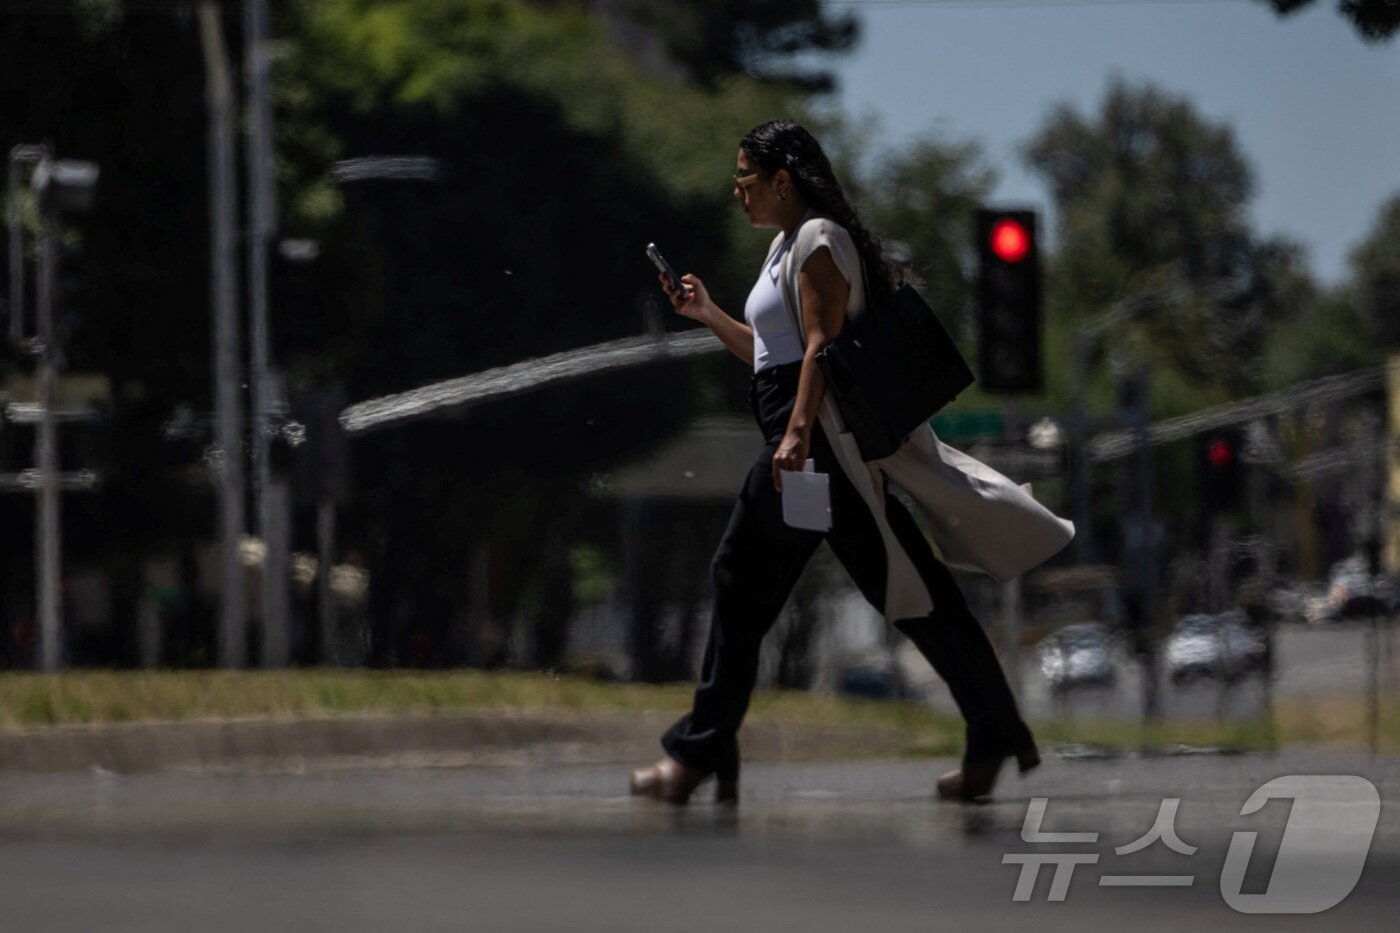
(1315,109)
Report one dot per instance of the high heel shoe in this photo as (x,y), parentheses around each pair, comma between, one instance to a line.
(975,779)
(672,782)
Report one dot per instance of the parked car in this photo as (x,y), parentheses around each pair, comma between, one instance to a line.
(1222,646)
(1077,656)
(1352,592)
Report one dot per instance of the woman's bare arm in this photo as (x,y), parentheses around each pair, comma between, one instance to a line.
(698,305)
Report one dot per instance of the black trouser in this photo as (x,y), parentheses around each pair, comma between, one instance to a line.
(756,566)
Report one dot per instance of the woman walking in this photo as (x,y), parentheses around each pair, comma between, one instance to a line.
(813,279)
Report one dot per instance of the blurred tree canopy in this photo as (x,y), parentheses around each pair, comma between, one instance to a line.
(562,159)
(715,39)
(1375,20)
(921,200)
(1151,199)
(1356,324)
(1375,285)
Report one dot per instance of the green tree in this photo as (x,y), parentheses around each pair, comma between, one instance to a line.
(1151,199)
(1353,325)
(1375,282)
(921,200)
(1375,20)
(715,39)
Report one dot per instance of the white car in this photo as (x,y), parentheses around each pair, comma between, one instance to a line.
(1214,646)
(1079,655)
(1352,592)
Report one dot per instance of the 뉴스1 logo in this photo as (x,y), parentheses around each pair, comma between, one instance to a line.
(1324,847)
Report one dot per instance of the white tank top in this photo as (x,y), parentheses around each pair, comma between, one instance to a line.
(775,340)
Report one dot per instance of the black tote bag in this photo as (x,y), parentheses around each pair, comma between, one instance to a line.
(891,369)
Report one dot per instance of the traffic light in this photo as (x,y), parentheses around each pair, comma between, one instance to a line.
(1218,460)
(1008,301)
(68,284)
(66,185)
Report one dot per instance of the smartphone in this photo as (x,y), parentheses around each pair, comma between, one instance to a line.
(661,264)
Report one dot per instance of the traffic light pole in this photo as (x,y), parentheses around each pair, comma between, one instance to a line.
(47,545)
(1079,454)
(1147,545)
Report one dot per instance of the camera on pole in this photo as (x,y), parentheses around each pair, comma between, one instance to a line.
(1008,301)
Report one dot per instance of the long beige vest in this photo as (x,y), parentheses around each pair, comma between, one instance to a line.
(979,519)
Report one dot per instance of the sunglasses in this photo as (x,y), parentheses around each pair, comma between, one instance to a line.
(743,181)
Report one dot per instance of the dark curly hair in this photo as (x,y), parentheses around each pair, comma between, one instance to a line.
(781,144)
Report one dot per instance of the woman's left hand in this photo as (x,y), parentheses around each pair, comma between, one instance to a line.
(791,455)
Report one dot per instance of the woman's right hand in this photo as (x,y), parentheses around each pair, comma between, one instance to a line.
(696,304)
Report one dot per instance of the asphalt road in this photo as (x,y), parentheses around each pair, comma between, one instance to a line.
(816,847)
(1325,660)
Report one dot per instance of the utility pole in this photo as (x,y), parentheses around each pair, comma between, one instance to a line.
(1372,492)
(233,603)
(1013,432)
(47,528)
(1080,477)
(1147,544)
(272,494)
(1139,531)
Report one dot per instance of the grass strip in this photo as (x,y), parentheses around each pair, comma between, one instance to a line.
(29,700)
(99,696)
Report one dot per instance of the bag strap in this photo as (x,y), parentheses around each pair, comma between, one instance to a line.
(789,300)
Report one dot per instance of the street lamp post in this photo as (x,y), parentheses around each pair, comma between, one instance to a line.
(272,493)
(233,603)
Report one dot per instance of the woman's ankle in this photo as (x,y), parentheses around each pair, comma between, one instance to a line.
(987,743)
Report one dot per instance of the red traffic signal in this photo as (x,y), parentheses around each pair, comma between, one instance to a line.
(1221,472)
(1008,300)
(1010,241)
(1220,453)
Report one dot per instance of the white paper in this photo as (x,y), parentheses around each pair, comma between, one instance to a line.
(807,498)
